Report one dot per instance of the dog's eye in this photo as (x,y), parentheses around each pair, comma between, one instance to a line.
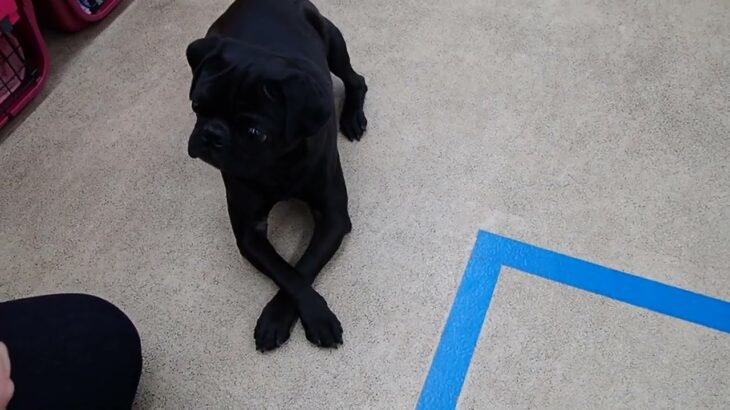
(257,134)
(269,92)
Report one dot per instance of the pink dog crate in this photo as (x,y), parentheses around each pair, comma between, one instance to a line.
(73,15)
(23,57)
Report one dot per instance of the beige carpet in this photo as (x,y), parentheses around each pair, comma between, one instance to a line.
(598,129)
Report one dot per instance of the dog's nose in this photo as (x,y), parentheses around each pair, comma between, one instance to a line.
(212,140)
(193,151)
(214,134)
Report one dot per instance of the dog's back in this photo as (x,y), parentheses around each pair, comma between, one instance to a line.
(287,27)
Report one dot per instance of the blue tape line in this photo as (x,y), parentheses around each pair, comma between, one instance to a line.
(454,352)
(451,361)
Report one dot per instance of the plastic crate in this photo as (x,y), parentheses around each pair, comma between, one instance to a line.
(69,15)
(8,13)
(23,57)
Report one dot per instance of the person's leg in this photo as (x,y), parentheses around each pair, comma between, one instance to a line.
(70,351)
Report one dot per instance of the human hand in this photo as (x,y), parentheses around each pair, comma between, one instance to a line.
(6,385)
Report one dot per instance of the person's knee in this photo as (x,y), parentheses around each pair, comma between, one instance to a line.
(72,342)
(107,321)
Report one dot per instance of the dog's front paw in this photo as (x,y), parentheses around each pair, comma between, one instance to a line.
(353,122)
(320,325)
(275,323)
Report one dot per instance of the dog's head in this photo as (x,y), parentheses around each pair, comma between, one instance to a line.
(253,107)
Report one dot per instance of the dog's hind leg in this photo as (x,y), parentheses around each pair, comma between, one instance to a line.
(352,121)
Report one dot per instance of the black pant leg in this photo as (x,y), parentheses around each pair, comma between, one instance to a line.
(70,351)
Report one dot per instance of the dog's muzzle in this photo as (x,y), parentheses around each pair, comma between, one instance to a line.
(208,138)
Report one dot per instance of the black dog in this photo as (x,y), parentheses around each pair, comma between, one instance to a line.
(263,96)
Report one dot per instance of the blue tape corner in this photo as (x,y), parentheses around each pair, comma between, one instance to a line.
(455,349)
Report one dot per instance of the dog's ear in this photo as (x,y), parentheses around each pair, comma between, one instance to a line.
(199,49)
(308,106)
